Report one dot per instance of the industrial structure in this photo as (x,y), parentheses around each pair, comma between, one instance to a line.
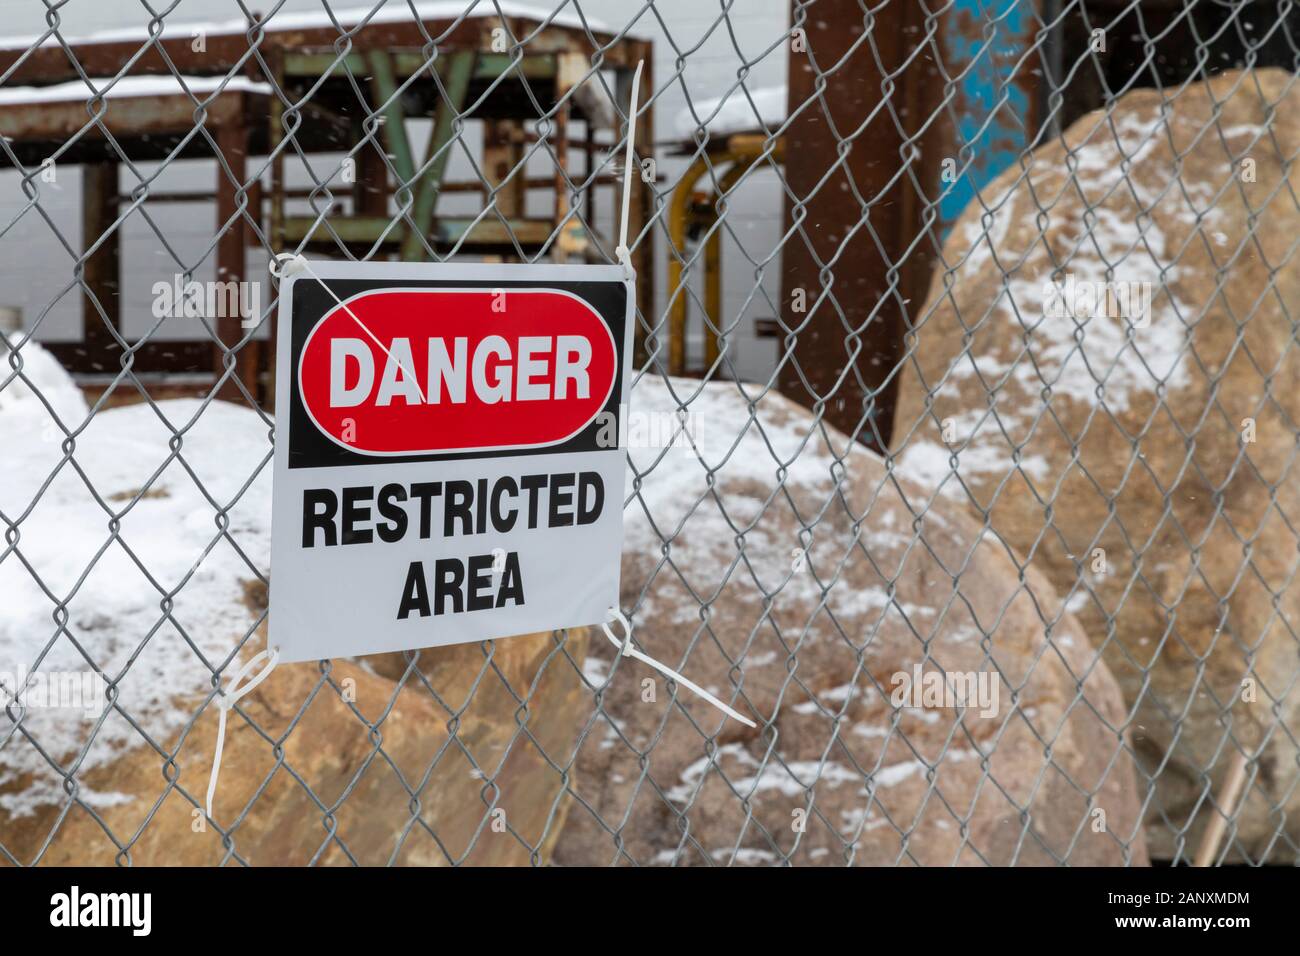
(252,98)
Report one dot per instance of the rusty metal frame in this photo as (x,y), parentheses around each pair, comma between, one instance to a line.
(242,123)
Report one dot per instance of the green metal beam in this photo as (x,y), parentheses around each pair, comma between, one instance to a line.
(399,147)
(488,66)
(455,77)
(530,233)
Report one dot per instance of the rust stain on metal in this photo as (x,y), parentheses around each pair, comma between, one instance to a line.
(120,115)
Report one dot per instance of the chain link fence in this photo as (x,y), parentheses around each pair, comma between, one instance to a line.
(961,440)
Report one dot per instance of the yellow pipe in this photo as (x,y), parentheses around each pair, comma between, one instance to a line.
(743,151)
(679,215)
(713,263)
(712,296)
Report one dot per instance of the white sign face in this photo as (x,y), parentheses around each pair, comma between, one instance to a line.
(447,457)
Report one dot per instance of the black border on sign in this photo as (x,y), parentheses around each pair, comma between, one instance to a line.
(308,448)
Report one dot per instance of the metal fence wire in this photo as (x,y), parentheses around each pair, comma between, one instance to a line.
(960,449)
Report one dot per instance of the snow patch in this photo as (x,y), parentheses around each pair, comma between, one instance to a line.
(1082,355)
(174,29)
(114,611)
(734,112)
(138,86)
(788,778)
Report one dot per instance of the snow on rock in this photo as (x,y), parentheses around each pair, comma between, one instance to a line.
(1147,467)
(723,437)
(726,508)
(776,563)
(114,609)
(1067,336)
(744,451)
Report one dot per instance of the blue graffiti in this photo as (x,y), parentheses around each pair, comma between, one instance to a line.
(990,126)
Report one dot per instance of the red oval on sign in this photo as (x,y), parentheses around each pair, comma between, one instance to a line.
(419,371)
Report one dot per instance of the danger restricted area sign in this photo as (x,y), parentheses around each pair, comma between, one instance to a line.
(447,456)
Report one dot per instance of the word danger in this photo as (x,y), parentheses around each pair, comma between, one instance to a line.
(366,514)
(497,372)
(419,371)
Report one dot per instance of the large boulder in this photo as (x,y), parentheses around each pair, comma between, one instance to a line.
(1142,455)
(786,570)
(414,759)
(368,772)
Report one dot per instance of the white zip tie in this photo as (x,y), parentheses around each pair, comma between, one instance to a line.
(227,700)
(621,251)
(289,264)
(625,647)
